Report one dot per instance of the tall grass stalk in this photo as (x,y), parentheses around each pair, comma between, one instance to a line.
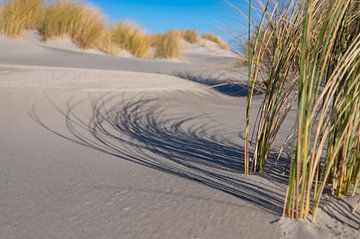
(315,55)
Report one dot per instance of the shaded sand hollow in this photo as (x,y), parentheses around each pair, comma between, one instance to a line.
(90,149)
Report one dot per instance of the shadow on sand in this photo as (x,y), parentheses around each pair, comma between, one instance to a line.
(141,131)
(341,211)
(222,85)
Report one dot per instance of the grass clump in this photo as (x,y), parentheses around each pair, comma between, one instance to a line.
(308,52)
(19,15)
(1,14)
(130,37)
(105,44)
(221,43)
(167,45)
(82,23)
(191,36)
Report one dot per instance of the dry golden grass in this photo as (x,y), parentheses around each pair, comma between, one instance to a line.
(167,45)
(105,44)
(307,52)
(19,15)
(1,14)
(130,37)
(190,36)
(83,24)
(211,37)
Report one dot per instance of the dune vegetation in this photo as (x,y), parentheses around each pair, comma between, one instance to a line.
(132,38)
(19,15)
(82,23)
(214,38)
(104,43)
(167,45)
(1,20)
(190,36)
(86,27)
(307,55)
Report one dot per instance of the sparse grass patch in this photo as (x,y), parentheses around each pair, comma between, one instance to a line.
(167,45)
(211,37)
(130,37)
(19,15)
(84,24)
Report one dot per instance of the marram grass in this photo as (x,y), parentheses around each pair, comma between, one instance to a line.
(84,24)
(132,38)
(105,44)
(216,39)
(314,64)
(190,36)
(167,45)
(19,15)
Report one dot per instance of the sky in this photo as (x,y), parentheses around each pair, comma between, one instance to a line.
(215,16)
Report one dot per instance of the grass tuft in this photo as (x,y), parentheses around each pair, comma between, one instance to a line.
(190,36)
(19,15)
(167,45)
(308,52)
(105,44)
(130,37)
(84,24)
(211,37)
(1,18)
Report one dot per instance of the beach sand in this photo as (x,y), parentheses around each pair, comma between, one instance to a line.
(94,146)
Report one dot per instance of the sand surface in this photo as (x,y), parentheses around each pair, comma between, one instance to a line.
(108,153)
(29,50)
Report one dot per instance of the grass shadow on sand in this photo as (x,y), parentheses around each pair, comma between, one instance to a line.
(341,211)
(143,132)
(221,83)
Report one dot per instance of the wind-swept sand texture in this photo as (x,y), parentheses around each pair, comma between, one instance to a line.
(117,154)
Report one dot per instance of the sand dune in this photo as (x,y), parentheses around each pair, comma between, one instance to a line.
(94,146)
(29,50)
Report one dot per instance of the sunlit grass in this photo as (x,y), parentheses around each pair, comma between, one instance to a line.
(84,24)
(130,37)
(19,15)
(308,52)
(190,36)
(105,44)
(167,45)
(86,27)
(216,39)
(1,19)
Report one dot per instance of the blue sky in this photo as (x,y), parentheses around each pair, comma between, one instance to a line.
(161,15)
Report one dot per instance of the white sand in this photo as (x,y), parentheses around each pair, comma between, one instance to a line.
(117,154)
(206,47)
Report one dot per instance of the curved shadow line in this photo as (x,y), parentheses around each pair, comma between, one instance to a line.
(141,131)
